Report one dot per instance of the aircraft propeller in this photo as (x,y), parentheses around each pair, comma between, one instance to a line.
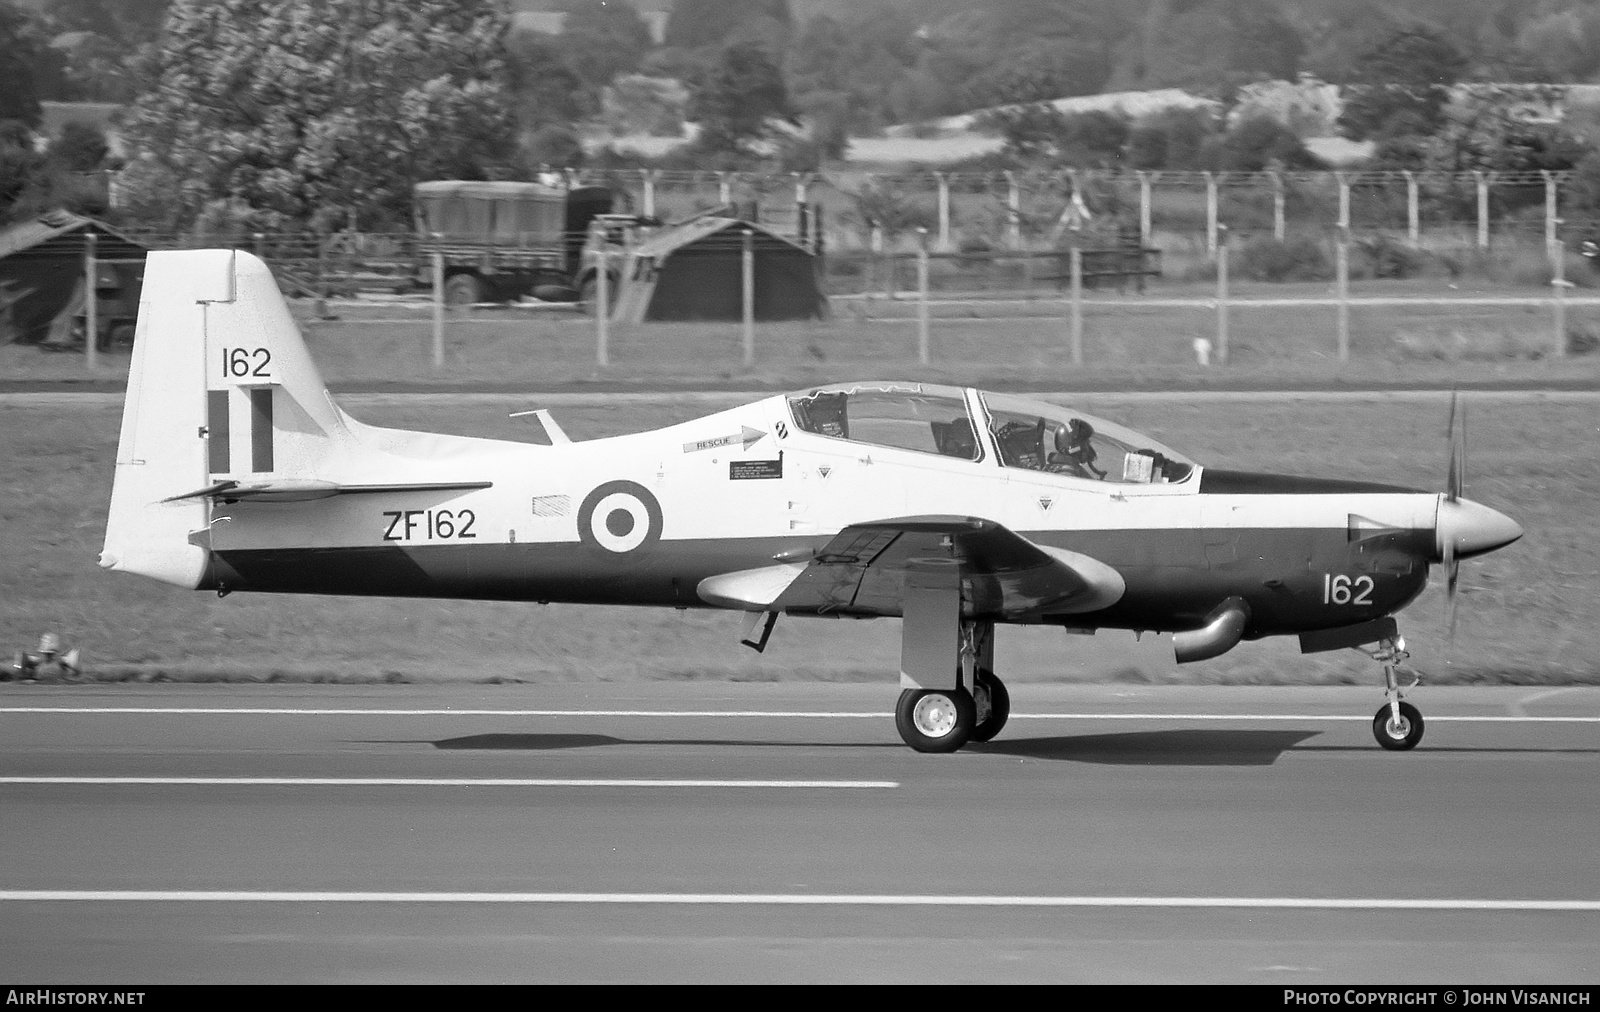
(1456,431)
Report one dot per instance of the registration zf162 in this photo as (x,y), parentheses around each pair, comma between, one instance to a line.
(429,525)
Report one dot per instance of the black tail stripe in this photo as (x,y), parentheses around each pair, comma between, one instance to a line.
(261,429)
(217,430)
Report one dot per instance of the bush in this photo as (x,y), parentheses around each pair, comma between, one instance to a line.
(1300,259)
(1383,256)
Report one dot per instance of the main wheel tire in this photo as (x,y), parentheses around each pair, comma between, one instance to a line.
(999,707)
(462,290)
(1397,737)
(935,720)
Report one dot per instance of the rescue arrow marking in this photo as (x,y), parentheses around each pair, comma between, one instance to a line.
(746,436)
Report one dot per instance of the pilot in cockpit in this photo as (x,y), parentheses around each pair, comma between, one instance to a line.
(959,440)
(1074,453)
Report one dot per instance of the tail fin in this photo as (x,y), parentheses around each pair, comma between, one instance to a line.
(221,388)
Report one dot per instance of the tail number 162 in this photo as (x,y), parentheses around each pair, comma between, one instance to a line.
(1341,589)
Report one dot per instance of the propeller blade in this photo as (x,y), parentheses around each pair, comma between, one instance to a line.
(1458,448)
(1452,577)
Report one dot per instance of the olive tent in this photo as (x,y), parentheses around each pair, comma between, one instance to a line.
(42,277)
(695,271)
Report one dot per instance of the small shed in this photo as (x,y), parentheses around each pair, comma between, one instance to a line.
(42,276)
(694,270)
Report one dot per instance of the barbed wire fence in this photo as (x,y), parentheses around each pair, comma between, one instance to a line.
(931,240)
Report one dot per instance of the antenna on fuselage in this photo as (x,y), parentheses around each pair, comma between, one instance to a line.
(551,429)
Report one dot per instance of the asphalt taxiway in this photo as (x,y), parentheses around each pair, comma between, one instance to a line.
(782,832)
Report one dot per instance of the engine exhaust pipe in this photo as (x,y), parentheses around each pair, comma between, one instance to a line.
(1223,629)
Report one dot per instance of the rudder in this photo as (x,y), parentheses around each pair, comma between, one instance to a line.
(221,387)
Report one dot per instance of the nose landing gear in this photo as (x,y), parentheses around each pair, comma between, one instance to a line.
(1397,725)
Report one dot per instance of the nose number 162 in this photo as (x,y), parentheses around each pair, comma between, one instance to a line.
(1341,589)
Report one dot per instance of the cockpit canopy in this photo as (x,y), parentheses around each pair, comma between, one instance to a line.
(1027,434)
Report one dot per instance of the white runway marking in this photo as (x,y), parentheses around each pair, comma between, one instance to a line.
(318,712)
(790,899)
(434,782)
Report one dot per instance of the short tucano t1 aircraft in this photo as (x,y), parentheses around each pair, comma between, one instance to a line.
(955,510)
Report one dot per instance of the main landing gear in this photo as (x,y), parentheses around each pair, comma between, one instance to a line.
(975,708)
(1397,725)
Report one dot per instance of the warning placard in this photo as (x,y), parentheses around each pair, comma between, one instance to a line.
(744,470)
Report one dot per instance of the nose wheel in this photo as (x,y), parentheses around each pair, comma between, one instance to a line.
(1397,725)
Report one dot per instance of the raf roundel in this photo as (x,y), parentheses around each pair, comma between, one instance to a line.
(619,517)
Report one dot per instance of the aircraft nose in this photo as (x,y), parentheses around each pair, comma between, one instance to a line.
(1473,528)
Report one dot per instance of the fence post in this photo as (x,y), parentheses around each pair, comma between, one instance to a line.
(602,296)
(724,189)
(320,306)
(91,306)
(1076,313)
(1342,292)
(944,209)
(1550,219)
(1413,213)
(438,301)
(1211,214)
(922,296)
(1278,228)
(1222,300)
(1344,200)
(1559,283)
(647,179)
(1013,210)
(747,264)
(1483,208)
(1144,208)
(802,203)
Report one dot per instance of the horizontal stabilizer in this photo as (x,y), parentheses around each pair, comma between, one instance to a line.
(307,489)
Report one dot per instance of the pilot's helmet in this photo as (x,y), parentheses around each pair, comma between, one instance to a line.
(49,643)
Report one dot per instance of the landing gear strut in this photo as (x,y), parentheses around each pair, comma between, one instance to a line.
(971,706)
(1397,725)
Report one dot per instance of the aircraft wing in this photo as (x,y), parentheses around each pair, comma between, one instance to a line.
(862,571)
(307,489)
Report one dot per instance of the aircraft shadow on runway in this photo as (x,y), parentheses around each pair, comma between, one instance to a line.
(1177,747)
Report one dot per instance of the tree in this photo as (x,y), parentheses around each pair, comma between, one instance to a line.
(21,54)
(737,98)
(698,23)
(306,110)
(21,169)
(81,147)
(1040,71)
(1214,46)
(544,86)
(1259,143)
(1407,82)
(1040,132)
(603,41)
(1171,139)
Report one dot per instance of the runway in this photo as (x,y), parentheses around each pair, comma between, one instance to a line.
(782,832)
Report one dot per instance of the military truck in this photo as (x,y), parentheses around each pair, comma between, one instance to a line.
(504,240)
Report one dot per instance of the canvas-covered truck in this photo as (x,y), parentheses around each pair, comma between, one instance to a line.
(503,240)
